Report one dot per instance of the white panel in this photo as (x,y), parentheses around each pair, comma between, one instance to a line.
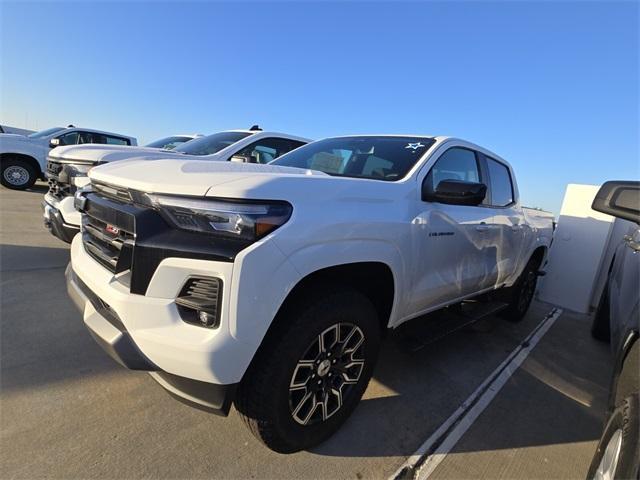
(577,251)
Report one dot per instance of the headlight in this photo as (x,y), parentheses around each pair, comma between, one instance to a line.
(79,198)
(78,174)
(232,219)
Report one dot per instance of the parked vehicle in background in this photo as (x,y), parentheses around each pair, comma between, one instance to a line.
(169,143)
(23,158)
(18,131)
(617,320)
(271,285)
(68,167)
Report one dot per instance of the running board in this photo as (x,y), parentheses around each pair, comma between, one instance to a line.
(422,331)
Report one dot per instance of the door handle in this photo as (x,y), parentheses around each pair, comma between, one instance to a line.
(482,227)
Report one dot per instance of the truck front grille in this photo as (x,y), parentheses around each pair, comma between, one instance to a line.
(59,190)
(54,168)
(111,244)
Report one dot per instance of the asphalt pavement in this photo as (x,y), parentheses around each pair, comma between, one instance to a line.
(68,411)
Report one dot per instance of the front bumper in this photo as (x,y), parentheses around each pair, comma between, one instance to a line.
(106,327)
(54,222)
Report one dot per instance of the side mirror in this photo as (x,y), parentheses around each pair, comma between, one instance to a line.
(620,199)
(457,192)
(54,142)
(242,159)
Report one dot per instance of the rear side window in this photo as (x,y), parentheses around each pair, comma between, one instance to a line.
(501,185)
(117,141)
(454,164)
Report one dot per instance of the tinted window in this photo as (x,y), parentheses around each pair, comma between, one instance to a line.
(117,140)
(501,188)
(169,143)
(380,158)
(454,164)
(211,144)
(266,150)
(69,138)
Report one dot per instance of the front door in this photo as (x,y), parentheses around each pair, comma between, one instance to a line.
(454,245)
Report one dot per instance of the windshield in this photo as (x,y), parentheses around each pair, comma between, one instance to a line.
(169,143)
(211,144)
(380,158)
(45,133)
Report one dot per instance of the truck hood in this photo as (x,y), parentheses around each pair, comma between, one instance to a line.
(241,180)
(92,153)
(188,177)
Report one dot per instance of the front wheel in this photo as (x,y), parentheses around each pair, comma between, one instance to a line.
(17,174)
(309,376)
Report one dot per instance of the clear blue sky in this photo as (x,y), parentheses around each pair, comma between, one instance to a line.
(551,86)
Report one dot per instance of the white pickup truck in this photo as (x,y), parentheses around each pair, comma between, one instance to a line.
(23,158)
(67,167)
(270,286)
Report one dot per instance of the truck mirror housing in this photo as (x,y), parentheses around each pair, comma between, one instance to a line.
(242,159)
(619,199)
(54,142)
(456,192)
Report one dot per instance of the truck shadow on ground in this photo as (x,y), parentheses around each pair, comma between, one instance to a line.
(555,398)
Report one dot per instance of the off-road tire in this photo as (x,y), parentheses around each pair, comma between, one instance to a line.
(264,398)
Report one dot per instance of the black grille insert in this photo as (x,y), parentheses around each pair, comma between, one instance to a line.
(110,245)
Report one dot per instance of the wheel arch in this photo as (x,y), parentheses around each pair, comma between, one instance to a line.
(346,273)
(626,375)
(374,279)
(539,254)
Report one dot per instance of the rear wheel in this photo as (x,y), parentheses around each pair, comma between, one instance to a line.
(309,376)
(520,295)
(17,174)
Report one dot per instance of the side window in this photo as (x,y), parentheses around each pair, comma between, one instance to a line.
(69,138)
(454,164)
(501,185)
(268,149)
(120,141)
(91,137)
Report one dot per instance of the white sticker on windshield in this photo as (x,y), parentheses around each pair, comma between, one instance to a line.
(415,146)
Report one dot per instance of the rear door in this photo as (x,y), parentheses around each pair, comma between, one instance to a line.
(454,245)
(508,219)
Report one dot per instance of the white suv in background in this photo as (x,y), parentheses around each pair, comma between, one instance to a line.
(68,167)
(23,158)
